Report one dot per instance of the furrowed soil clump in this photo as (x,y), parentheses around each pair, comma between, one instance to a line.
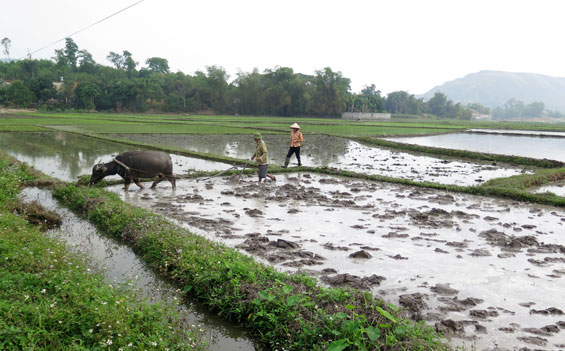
(452,249)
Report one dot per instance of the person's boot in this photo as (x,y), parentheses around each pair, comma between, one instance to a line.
(299,163)
(286,161)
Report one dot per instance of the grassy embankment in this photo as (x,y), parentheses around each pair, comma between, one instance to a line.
(50,299)
(282,311)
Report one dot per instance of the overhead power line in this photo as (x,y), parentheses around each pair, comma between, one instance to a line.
(85,28)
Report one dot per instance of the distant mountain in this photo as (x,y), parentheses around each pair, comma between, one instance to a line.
(494,88)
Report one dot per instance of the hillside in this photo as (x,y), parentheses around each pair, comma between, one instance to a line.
(494,88)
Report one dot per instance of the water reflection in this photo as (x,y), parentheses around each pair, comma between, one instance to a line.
(61,155)
(66,156)
(517,145)
(558,188)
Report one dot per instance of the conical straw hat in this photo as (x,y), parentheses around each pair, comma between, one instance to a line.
(295,125)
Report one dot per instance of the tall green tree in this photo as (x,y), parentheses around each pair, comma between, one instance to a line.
(331,92)
(86,92)
(217,81)
(479,108)
(68,56)
(42,87)
(28,68)
(19,95)
(277,93)
(129,64)
(6,43)
(369,100)
(403,103)
(249,93)
(396,102)
(437,105)
(515,109)
(86,62)
(123,62)
(157,65)
(179,91)
(116,59)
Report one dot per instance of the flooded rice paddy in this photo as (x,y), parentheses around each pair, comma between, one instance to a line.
(536,146)
(119,265)
(489,273)
(335,152)
(67,156)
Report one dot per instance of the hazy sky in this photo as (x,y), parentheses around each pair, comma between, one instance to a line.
(410,45)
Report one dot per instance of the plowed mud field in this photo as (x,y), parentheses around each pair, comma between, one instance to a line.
(488,273)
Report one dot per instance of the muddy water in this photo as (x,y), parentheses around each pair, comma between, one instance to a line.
(326,151)
(489,273)
(119,264)
(66,156)
(558,188)
(550,147)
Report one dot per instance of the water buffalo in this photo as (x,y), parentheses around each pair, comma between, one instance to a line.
(132,165)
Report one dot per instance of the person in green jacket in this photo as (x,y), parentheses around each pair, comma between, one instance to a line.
(261,156)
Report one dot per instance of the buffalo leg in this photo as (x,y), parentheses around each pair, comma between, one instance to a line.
(136,180)
(127,183)
(173,181)
(157,181)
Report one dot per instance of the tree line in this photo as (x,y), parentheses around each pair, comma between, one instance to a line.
(73,80)
(513,109)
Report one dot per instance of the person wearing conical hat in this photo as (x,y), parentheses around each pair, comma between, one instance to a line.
(261,156)
(296,139)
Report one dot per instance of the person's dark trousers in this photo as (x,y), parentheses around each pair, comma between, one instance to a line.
(292,150)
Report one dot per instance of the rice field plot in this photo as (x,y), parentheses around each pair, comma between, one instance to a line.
(484,271)
(67,156)
(36,123)
(365,130)
(152,128)
(20,128)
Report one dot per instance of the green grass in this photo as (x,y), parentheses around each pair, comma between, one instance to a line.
(51,299)
(150,128)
